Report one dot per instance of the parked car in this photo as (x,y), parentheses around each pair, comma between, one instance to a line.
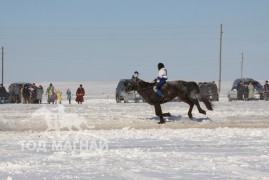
(4,96)
(210,90)
(258,89)
(15,93)
(124,96)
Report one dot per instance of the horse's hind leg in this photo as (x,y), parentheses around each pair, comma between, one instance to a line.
(194,95)
(158,112)
(196,102)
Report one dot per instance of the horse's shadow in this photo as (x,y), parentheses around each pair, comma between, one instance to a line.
(174,118)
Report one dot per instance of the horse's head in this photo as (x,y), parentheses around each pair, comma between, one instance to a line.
(131,85)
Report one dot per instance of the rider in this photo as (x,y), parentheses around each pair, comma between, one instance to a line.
(161,79)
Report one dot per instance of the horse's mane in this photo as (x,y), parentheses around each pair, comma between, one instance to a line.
(144,84)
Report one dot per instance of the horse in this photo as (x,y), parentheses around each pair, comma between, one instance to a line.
(187,92)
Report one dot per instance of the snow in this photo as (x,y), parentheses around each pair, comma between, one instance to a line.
(101,139)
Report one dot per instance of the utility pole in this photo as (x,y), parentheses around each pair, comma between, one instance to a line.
(3,65)
(242,63)
(220,57)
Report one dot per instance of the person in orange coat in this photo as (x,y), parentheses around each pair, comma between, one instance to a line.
(80,93)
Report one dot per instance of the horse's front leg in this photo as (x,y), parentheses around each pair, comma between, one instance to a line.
(190,110)
(158,112)
(162,121)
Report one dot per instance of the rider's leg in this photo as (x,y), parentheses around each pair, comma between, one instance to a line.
(158,87)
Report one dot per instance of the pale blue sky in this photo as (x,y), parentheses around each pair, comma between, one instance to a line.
(92,40)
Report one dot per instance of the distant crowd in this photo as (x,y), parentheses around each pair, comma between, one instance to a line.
(30,93)
(246,91)
(56,96)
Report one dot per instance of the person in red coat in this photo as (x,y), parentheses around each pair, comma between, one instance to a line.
(80,93)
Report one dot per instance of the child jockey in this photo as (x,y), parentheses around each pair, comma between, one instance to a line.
(161,79)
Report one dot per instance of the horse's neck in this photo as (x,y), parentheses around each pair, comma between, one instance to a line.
(143,84)
(144,88)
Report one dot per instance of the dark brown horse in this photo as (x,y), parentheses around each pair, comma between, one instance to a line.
(187,92)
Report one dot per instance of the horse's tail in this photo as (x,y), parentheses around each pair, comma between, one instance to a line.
(207,103)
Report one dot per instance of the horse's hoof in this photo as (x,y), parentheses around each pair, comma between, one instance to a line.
(161,122)
(190,116)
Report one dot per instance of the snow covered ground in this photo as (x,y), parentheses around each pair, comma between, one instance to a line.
(101,139)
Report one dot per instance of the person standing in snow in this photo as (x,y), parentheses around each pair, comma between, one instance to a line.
(39,93)
(32,90)
(246,92)
(68,93)
(26,94)
(21,94)
(266,91)
(59,97)
(50,93)
(80,94)
(161,79)
(250,91)
(240,90)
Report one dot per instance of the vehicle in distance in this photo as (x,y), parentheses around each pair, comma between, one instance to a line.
(258,89)
(210,90)
(123,96)
(15,93)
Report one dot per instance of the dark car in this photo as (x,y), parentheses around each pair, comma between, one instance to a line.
(210,90)
(258,89)
(122,95)
(6,100)
(4,95)
(15,93)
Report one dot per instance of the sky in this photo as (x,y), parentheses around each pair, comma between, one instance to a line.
(107,40)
